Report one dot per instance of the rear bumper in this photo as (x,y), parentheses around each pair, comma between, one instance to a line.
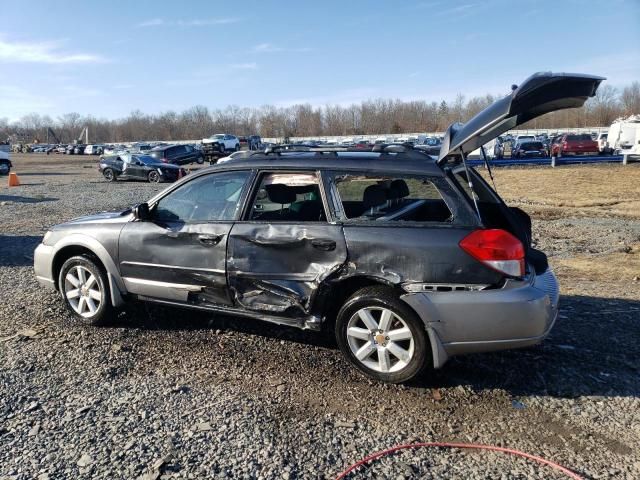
(519,315)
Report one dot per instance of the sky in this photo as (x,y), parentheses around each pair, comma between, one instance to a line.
(109,58)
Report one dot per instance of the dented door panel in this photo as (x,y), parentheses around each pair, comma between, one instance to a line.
(177,261)
(278,267)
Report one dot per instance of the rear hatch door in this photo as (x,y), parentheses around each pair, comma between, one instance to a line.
(541,93)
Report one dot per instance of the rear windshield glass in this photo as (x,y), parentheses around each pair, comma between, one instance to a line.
(581,137)
(532,145)
(391,198)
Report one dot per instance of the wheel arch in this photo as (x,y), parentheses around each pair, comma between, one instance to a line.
(77,244)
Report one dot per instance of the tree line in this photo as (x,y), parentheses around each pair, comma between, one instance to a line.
(378,116)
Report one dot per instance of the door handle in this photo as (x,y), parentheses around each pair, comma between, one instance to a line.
(323,244)
(210,240)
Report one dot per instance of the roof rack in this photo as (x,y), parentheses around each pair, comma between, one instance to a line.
(397,148)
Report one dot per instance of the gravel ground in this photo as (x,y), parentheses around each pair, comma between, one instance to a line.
(167,393)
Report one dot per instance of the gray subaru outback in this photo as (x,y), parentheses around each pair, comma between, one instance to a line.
(409,258)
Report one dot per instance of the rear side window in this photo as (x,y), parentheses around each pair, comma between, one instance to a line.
(370,198)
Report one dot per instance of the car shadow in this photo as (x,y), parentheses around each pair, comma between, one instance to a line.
(594,349)
(17,250)
(21,199)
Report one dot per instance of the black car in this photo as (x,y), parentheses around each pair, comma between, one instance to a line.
(177,154)
(5,166)
(529,149)
(127,166)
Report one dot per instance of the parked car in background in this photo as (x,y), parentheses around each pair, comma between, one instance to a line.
(529,149)
(177,154)
(603,144)
(217,145)
(94,150)
(624,136)
(574,144)
(5,162)
(131,166)
(254,142)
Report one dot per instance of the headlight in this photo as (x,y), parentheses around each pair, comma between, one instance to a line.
(46,237)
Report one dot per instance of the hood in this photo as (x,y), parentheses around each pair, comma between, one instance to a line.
(103,217)
(541,93)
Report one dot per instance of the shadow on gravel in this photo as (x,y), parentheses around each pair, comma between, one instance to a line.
(594,349)
(47,174)
(21,199)
(17,250)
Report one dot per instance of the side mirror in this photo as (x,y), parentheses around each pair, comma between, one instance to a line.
(141,212)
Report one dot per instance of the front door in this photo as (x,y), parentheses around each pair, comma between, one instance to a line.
(283,248)
(179,254)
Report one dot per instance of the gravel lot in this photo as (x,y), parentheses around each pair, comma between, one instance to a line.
(175,394)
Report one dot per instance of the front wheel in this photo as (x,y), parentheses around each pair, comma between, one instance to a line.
(221,148)
(109,175)
(381,336)
(85,290)
(237,147)
(153,177)
(200,160)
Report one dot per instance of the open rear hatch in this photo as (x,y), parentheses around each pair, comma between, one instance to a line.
(541,93)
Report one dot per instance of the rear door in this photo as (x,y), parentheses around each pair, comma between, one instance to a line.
(179,254)
(284,247)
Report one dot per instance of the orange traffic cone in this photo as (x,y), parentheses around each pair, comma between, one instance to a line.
(13,179)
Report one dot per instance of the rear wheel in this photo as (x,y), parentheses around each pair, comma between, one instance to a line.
(381,336)
(200,160)
(85,290)
(109,175)
(153,177)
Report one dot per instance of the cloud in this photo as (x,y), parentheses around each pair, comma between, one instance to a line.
(16,102)
(244,66)
(42,52)
(343,98)
(458,10)
(160,22)
(271,48)
(123,86)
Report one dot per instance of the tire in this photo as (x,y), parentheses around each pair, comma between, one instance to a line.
(381,362)
(221,148)
(153,177)
(109,175)
(237,147)
(200,160)
(85,290)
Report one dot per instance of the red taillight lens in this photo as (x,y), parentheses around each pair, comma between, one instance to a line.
(497,249)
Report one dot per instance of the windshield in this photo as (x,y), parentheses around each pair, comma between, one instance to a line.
(218,137)
(432,142)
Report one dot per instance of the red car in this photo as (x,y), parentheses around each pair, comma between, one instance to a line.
(574,144)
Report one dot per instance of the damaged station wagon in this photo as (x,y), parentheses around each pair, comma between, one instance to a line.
(409,258)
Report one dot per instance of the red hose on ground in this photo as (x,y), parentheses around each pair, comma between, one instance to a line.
(510,451)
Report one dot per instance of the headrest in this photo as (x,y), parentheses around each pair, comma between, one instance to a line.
(280,193)
(400,187)
(374,196)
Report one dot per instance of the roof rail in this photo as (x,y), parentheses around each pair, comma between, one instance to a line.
(392,148)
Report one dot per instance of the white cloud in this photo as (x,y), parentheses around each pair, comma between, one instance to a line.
(16,102)
(244,66)
(271,48)
(207,22)
(42,52)
(343,98)
(123,86)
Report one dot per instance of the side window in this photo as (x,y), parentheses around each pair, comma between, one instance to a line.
(210,198)
(391,198)
(288,197)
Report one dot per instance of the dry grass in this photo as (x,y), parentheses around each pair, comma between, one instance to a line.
(582,190)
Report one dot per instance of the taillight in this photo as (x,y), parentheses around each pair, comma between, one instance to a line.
(497,249)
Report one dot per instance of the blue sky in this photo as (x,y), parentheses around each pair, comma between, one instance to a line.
(110,58)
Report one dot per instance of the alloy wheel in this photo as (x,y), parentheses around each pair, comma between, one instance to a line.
(82,291)
(380,339)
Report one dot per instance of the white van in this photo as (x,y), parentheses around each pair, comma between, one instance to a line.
(624,136)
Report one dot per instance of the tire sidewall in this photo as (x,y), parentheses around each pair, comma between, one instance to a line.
(104,307)
(113,175)
(422,347)
(153,177)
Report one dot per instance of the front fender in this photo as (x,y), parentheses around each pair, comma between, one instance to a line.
(116,284)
